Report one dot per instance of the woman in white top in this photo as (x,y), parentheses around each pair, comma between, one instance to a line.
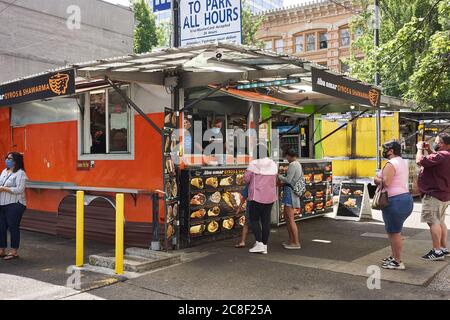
(12,203)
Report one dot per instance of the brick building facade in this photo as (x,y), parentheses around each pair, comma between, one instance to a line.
(317,31)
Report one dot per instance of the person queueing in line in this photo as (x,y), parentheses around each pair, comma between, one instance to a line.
(394,179)
(244,197)
(434,185)
(12,203)
(261,178)
(291,201)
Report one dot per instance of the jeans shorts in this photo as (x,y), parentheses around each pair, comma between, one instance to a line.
(396,213)
(290,199)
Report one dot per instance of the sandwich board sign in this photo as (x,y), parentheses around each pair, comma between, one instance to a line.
(354,203)
(205,21)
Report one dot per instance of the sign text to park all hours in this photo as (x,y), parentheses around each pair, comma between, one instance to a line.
(217,11)
(210,20)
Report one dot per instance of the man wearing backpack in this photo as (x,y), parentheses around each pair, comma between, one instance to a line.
(293,188)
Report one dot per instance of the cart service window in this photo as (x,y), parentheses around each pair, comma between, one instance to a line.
(106,126)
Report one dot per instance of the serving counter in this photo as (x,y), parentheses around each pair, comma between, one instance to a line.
(210,197)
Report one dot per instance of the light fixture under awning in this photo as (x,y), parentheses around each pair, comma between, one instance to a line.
(257,97)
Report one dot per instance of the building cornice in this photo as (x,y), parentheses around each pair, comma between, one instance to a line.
(308,11)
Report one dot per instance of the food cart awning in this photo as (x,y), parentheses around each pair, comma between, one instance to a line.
(197,66)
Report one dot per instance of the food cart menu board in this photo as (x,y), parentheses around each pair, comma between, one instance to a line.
(211,198)
(351,199)
(318,197)
(171,179)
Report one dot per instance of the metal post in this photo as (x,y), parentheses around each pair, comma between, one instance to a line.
(155,245)
(119,232)
(377,83)
(79,251)
(176,23)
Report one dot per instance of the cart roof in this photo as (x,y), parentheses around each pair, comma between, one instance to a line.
(203,65)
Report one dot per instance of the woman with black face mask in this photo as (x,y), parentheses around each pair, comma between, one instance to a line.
(12,203)
(394,179)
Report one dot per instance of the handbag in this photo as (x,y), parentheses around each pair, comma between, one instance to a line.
(299,187)
(381,198)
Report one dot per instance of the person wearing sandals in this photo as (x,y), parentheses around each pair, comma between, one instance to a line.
(244,196)
(12,203)
(394,179)
(290,200)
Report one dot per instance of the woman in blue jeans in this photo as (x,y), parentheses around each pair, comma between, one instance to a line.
(394,179)
(12,203)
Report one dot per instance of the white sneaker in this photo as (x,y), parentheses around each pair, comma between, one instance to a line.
(259,247)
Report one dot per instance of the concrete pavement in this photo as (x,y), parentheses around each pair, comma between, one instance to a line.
(332,264)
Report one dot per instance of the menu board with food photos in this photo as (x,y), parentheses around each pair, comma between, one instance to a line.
(353,201)
(318,197)
(171,179)
(211,198)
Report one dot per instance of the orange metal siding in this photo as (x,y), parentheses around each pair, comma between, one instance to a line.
(51,151)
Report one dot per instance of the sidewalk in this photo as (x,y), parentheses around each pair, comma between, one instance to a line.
(332,264)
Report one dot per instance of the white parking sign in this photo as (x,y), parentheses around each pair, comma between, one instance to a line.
(203,21)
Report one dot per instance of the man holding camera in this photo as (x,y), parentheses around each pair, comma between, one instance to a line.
(434,185)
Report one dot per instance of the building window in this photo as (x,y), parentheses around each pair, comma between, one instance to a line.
(268,45)
(344,35)
(279,45)
(106,125)
(310,42)
(323,40)
(299,40)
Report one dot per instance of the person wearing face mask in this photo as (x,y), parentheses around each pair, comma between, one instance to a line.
(12,203)
(434,185)
(218,140)
(394,179)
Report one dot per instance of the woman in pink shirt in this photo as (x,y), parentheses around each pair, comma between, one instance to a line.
(261,178)
(394,179)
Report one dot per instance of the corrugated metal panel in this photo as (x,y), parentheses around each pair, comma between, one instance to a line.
(39,221)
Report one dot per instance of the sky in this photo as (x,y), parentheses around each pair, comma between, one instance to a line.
(286,2)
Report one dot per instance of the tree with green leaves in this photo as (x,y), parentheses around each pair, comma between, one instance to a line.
(413,58)
(145,31)
(250,26)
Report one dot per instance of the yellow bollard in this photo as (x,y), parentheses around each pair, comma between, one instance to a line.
(79,251)
(119,232)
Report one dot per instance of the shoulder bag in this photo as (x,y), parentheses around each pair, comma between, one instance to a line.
(299,187)
(381,197)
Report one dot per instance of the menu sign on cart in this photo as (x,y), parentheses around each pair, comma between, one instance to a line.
(212,199)
(171,179)
(353,201)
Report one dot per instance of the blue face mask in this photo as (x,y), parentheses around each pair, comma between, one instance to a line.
(9,163)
